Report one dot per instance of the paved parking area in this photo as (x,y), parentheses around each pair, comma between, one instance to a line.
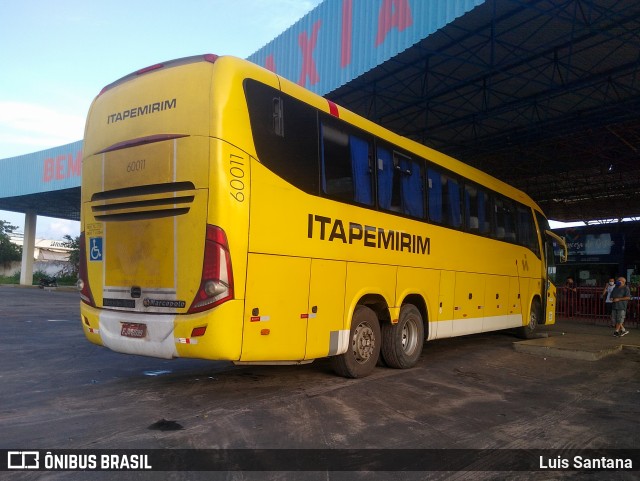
(475,392)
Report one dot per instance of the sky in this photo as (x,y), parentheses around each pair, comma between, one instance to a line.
(56,55)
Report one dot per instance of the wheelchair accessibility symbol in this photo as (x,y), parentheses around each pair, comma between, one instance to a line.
(95,248)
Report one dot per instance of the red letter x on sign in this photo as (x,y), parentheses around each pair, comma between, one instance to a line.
(307,46)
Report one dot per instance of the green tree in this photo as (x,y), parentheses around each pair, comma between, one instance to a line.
(74,254)
(8,251)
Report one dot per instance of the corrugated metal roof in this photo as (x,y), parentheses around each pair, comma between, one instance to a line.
(342,39)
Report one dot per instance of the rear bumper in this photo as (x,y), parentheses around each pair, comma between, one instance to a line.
(169,335)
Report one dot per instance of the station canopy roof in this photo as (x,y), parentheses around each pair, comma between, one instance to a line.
(542,94)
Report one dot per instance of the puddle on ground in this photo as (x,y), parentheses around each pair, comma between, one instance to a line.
(166,425)
(156,373)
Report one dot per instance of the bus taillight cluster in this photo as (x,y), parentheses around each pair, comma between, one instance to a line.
(216,285)
(83,279)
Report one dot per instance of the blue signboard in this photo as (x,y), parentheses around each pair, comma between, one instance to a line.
(95,249)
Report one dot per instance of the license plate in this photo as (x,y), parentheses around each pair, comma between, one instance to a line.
(133,329)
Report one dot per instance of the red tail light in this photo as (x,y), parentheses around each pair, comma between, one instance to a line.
(148,69)
(83,281)
(216,285)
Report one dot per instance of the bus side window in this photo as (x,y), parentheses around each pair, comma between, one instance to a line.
(484,201)
(346,165)
(385,177)
(505,220)
(400,183)
(445,199)
(361,168)
(510,225)
(476,202)
(453,202)
(411,185)
(500,232)
(434,181)
(472,214)
(527,235)
(337,178)
(278,116)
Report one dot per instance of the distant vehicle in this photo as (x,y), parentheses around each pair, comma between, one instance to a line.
(46,281)
(230,214)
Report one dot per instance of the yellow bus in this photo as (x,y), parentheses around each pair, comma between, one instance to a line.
(230,214)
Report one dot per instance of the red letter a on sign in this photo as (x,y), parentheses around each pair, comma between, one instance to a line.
(393,13)
(308,45)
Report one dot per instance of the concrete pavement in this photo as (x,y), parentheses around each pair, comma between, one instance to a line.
(578,340)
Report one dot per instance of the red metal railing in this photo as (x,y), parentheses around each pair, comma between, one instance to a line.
(588,303)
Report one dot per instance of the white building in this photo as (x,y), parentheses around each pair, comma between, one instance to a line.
(49,256)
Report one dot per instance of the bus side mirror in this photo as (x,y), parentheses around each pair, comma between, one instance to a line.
(564,255)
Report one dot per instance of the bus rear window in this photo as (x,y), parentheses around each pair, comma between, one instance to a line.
(285,135)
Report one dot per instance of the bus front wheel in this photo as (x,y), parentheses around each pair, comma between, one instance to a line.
(364,345)
(528,331)
(402,343)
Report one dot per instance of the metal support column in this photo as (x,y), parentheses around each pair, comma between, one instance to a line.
(28,247)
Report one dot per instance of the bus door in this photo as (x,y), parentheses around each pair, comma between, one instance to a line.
(550,240)
(326,308)
(276,308)
(550,277)
(548,289)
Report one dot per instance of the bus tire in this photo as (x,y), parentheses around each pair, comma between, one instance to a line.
(364,345)
(402,343)
(528,331)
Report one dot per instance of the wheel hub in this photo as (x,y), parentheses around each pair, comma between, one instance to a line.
(409,337)
(364,342)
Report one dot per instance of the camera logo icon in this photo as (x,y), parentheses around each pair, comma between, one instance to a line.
(23,460)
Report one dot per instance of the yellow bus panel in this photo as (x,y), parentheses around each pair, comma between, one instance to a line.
(326,320)
(276,308)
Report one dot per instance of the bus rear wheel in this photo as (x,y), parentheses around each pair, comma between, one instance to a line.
(402,343)
(528,331)
(364,345)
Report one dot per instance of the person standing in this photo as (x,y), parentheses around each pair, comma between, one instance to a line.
(606,295)
(620,296)
(570,297)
